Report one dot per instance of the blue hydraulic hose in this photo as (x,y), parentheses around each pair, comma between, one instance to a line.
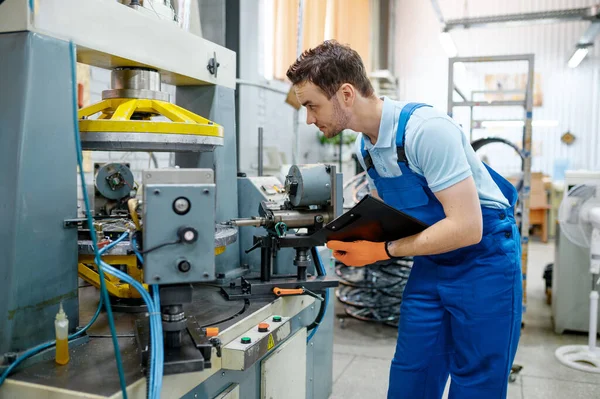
(319,264)
(103,290)
(157,365)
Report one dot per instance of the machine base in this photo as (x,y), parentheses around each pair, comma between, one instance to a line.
(255,288)
(189,357)
(43,356)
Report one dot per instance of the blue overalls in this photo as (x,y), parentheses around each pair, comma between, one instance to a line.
(461,310)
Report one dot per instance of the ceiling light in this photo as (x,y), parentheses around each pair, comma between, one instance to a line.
(448,44)
(578,56)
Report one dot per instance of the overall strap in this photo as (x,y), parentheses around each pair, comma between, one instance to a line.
(369,167)
(405,115)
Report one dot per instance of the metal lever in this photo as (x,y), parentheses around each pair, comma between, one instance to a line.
(252,248)
(296,291)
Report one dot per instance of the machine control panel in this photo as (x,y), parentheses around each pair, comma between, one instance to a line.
(252,345)
(179,226)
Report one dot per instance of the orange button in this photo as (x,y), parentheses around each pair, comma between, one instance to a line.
(212,331)
(263,327)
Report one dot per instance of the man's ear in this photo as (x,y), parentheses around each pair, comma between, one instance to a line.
(348,94)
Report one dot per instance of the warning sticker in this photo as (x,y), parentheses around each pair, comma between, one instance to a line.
(270,343)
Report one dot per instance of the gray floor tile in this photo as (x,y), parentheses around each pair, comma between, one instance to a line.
(539,361)
(340,364)
(534,388)
(364,378)
(515,390)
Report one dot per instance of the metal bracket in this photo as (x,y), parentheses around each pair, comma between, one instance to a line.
(213,65)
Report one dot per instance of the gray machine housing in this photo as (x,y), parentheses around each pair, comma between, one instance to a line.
(38,253)
(251,192)
(162,188)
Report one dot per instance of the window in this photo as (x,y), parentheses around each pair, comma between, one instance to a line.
(348,22)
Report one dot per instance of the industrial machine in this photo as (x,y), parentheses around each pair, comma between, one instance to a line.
(174,252)
(570,271)
(579,217)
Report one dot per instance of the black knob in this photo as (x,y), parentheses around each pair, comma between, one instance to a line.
(181,206)
(184,266)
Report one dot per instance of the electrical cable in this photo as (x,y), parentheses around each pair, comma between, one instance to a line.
(154,248)
(314,326)
(246,304)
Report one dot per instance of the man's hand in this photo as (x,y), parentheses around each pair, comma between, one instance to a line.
(358,253)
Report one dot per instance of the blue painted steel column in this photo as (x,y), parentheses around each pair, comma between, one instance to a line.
(38,190)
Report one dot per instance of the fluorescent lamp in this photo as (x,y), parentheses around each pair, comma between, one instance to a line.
(448,44)
(517,123)
(578,56)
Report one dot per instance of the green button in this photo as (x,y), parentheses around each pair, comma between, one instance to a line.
(277,319)
(246,340)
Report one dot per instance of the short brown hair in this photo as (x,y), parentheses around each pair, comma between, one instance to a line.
(329,66)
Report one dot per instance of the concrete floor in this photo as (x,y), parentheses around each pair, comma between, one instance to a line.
(362,352)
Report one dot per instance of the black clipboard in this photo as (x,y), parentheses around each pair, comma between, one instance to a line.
(371,220)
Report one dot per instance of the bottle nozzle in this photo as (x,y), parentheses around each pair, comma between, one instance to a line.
(61,315)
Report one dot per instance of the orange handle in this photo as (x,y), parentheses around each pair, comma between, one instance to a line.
(212,331)
(287,291)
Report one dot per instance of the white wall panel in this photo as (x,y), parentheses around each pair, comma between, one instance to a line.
(570,96)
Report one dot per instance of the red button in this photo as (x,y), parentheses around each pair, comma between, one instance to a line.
(263,327)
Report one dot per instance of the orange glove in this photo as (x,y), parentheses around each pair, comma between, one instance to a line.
(358,253)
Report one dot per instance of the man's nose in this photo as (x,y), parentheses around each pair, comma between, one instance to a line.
(310,119)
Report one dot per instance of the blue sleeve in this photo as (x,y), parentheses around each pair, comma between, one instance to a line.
(357,146)
(438,149)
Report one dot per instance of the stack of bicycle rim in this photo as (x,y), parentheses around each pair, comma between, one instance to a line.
(374,292)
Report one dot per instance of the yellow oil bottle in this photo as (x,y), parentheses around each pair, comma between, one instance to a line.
(61,326)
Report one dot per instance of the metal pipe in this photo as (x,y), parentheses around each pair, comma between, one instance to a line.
(451,86)
(297,219)
(256,222)
(589,36)
(576,14)
(460,93)
(341,149)
(292,218)
(488,103)
(260,151)
(437,10)
(494,58)
(299,38)
(266,263)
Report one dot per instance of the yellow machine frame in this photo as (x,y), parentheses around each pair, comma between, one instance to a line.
(116,114)
(88,270)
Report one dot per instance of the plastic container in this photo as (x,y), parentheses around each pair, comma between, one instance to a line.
(61,326)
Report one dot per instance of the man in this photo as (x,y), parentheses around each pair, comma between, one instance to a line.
(461,309)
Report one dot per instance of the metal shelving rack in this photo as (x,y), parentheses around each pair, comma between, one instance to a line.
(527,104)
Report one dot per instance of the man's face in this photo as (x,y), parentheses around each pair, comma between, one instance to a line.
(326,114)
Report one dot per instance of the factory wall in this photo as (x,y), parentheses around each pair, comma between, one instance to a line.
(264,108)
(570,96)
